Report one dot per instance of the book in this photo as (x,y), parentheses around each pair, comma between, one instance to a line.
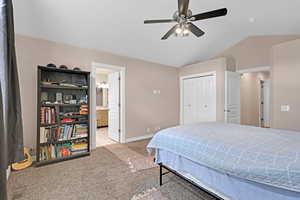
(47,115)
(61,133)
(54,151)
(84,110)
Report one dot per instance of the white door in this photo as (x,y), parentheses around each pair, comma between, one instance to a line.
(232,97)
(188,94)
(114,106)
(199,99)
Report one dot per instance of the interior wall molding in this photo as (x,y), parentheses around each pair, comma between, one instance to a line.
(134,139)
(255,69)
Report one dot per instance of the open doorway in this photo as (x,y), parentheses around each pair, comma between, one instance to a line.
(255,100)
(102,107)
(107,105)
(247,97)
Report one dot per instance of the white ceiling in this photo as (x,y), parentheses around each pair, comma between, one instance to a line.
(116,26)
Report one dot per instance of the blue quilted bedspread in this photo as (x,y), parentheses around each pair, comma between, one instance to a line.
(266,156)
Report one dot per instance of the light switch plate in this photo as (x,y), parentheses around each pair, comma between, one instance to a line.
(285,108)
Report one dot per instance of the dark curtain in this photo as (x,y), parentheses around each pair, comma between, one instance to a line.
(12,132)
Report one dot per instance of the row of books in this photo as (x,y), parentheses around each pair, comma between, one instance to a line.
(79,147)
(84,110)
(64,132)
(55,151)
(47,115)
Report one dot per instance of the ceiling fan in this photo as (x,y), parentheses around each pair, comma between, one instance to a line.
(184,18)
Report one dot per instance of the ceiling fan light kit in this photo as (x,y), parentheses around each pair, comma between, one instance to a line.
(183,31)
(184,18)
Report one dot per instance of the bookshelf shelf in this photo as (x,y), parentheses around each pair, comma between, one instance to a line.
(57,141)
(63,105)
(63,87)
(77,122)
(51,161)
(73,116)
(48,125)
(64,141)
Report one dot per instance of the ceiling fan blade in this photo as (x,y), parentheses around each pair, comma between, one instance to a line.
(211,14)
(195,30)
(156,21)
(183,6)
(170,32)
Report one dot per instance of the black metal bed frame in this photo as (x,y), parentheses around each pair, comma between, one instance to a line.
(161,174)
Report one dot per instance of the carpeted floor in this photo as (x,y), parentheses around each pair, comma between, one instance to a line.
(101,176)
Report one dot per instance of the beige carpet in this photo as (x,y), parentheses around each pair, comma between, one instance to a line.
(102,176)
(134,160)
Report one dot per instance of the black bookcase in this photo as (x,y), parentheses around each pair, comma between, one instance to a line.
(62,115)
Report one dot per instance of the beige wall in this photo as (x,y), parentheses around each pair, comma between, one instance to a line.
(286,85)
(101,78)
(250,97)
(146,110)
(219,65)
(281,53)
(143,109)
(254,51)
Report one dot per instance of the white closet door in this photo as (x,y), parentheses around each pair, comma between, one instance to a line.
(232,97)
(114,106)
(199,99)
(188,97)
(209,104)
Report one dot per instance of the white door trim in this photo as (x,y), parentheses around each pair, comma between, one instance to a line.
(93,119)
(255,69)
(266,103)
(181,79)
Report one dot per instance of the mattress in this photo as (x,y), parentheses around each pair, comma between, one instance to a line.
(264,156)
(225,186)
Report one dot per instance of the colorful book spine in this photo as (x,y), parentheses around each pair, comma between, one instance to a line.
(54,151)
(47,115)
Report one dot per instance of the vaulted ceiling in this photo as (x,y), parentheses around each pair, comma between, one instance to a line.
(116,26)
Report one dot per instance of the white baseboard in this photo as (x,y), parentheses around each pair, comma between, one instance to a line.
(134,139)
(8,172)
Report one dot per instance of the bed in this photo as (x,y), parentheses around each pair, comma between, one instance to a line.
(232,161)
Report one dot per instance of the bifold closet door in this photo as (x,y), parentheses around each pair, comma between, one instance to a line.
(207,100)
(188,101)
(199,99)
